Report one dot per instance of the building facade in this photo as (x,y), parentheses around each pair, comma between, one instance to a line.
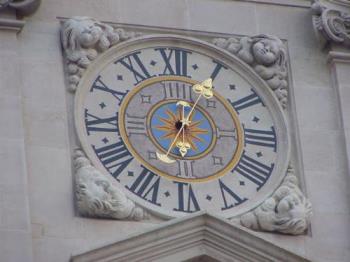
(70,192)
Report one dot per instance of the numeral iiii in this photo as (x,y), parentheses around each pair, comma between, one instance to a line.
(253,170)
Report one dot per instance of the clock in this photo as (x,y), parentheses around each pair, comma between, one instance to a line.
(174,143)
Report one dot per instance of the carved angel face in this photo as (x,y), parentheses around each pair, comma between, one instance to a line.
(266,51)
(90,33)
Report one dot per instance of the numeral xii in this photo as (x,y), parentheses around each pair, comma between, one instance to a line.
(175,60)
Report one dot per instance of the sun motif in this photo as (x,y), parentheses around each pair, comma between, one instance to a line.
(172,124)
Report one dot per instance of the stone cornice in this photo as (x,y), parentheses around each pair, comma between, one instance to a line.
(18,9)
(11,24)
(195,235)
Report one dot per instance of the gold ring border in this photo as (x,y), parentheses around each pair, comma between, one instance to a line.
(210,120)
(121,119)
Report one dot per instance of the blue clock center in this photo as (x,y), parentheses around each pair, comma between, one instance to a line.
(166,122)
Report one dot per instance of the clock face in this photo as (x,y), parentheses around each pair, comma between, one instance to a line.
(143,118)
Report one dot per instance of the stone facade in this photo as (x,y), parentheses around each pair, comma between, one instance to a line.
(37,201)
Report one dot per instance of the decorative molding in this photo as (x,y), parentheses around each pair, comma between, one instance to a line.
(97,197)
(341,2)
(267,55)
(83,39)
(194,236)
(331,25)
(22,7)
(11,24)
(287,211)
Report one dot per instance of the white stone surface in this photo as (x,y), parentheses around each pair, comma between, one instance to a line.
(33,92)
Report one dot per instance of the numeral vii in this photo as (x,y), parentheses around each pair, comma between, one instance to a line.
(146,186)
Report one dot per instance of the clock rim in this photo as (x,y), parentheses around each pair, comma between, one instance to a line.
(235,158)
(241,68)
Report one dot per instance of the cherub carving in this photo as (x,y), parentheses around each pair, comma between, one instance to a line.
(286,211)
(83,38)
(267,55)
(98,197)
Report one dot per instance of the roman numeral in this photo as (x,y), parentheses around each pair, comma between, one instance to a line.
(192,203)
(220,133)
(246,101)
(216,70)
(185,168)
(135,125)
(146,186)
(134,64)
(175,61)
(98,84)
(176,90)
(114,157)
(260,137)
(253,170)
(95,124)
(225,190)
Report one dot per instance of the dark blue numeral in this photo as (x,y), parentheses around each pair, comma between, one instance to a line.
(94,123)
(134,64)
(226,190)
(114,157)
(147,183)
(260,137)
(179,56)
(98,84)
(255,171)
(216,70)
(246,101)
(192,203)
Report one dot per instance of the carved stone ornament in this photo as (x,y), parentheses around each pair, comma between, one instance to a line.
(266,55)
(287,211)
(331,25)
(23,7)
(83,39)
(98,197)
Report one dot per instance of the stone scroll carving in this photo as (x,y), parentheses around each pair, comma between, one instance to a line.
(287,211)
(97,197)
(23,7)
(331,25)
(267,55)
(83,39)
